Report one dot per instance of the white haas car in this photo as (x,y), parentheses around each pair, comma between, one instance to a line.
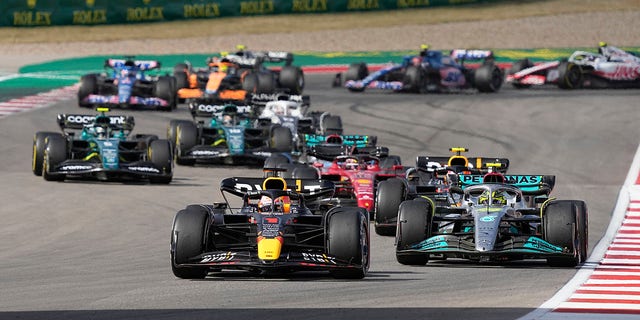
(611,67)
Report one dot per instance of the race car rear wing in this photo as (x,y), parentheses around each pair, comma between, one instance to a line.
(375,151)
(140,64)
(262,98)
(79,121)
(203,110)
(529,184)
(358,141)
(479,163)
(309,188)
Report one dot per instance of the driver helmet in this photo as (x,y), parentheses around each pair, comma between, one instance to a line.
(101,132)
(264,205)
(282,204)
(351,164)
(498,197)
(424,48)
(227,120)
(223,68)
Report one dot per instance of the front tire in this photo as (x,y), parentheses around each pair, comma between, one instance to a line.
(37,158)
(569,75)
(348,240)
(54,154)
(414,224)
(560,228)
(160,156)
(292,78)
(390,195)
(357,71)
(165,89)
(187,240)
(186,138)
(88,86)
(281,139)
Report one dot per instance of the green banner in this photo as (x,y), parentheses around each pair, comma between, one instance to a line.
(36,13)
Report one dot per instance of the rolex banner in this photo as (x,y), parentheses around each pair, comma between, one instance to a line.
(33,13)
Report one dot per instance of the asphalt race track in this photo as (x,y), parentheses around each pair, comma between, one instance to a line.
(87,250)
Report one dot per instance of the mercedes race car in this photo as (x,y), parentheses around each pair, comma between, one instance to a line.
(273,231)
(611,67)
(499,218)
(431,177)
(431,71)
(226,134)
(128,86)
(100,147)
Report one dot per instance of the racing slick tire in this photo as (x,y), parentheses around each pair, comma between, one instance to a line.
(281,139)
(182,78)
(389,196)
(292,78)
(414,80)
(266,82)
(414,224)
(172,130)
(159,152)
(187,240)
(331,125)
(165,89)
(560,227)
(569,75)
(357,71)
(54,154)
(583,229)
(302,171)
(488,78)
(186,138)
(250,82)
(348,240)
(517,67)
(39,145)
(88,85)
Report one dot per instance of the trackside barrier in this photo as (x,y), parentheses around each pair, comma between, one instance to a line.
(30,13)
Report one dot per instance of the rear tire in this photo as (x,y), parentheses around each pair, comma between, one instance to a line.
(182,78)
(187,240)
(414,80)
(331,125)
(266,82)
(348,240)
(37,158)
(488,78)
(54,154)
(414,224)
(165,89)
(292,78)
(281,139)
(88,86)
(160,156)
(186,138)
(389,196)
(357,71)
(560,228)
(250,82)
(172,130)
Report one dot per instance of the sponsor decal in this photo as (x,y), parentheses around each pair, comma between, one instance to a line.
(75,168)
(316,257)
(205,153)
(201,10)
(218,257)
(144,169)
(256,7)
(488,219)
(86,119)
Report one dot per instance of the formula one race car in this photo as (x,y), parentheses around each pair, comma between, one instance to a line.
(511,218)
(221,80)
(273,231)
(431,177)
(611,67)
(357,177)
(127,86)
(287,78)
(431,71)
(226,133)
(101,150)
